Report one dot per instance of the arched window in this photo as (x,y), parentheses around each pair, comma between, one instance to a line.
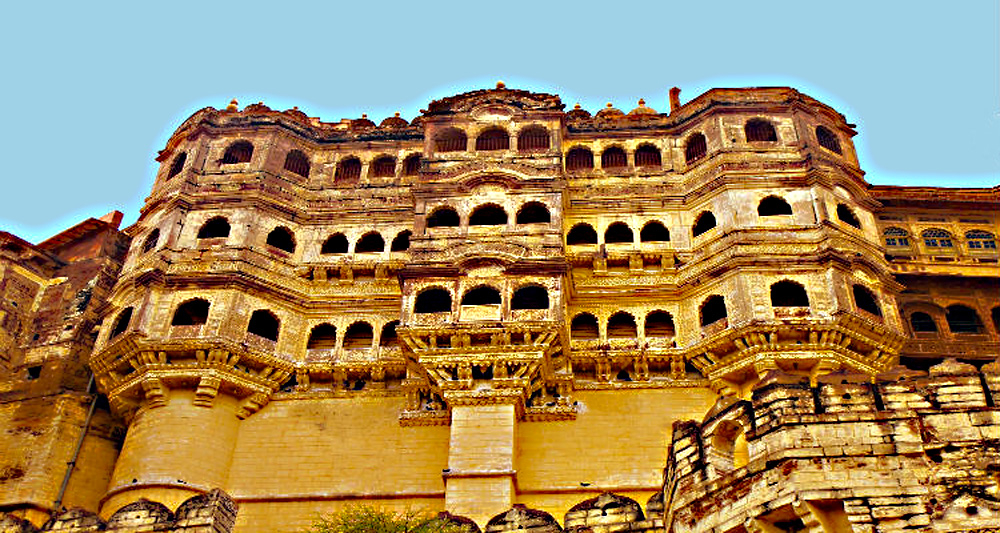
(282,239)
(772,206)
(713,310)
(584,326)
(654,231)
(443,217)
(151,240)
(435,300)
(648,156)
(389,339)
(177,165)
(788,294)
(760,130)
(981,240)
(451,140)
(847,216)
(936,238)
(238,152)
(297,162)
(896,237)
(348,170)
(579,158)
(411,165)
(322,337)
(865,300)
(384,167)
(335,244)
(488,215)
(493,139)
(121,323)
(191,313)
(581,233)
(359,336)
(618,232)
(530,297)
(482,295)
(264,324)
(533,213)
(827,139)
(962,319)
(614,158)
(659,324)
(402,241)
(704,222)
(370,242)
(533,139)
(695,148)
(922,323)
(214,228)
(621,325)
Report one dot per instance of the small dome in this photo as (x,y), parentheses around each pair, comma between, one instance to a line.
(417,121)
(642,110)
(362,123)
(394,122)
(610,113)
(259,107)
(577,113)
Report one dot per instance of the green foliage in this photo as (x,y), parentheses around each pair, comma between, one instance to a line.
(369,519)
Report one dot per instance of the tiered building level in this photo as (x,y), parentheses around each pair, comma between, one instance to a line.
(503,302)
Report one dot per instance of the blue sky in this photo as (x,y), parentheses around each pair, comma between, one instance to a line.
(93,90)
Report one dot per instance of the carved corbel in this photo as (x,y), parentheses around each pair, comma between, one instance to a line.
(155,392)
(208,389)
(677,367)
(255,402)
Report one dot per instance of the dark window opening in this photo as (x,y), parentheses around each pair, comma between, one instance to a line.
(191,313)
(827,139)
(282,239)
(622,375)
(389,337)
(215,228)
(981,240)
(481,296)
(297,162)
(121,324)
(533,138)
(621,325)
(335,244)
(370,242)
(238,152)
(530,297)
(772,206)
(789,294)
(177,165)
(614,158)
(359,336)
(443,217)
(618,232)
(696,148)
(493,139)
(704,222)
(433,301)
(581,234)
(151,241)
(411,165)
(937,238)
(322,337)
(579,159)
(713,310)
(659,324)
(34,372)
(962,319)
(922,323)
(584,326)
(384,167)
(847,216)
(654,232)
(648,156)
(451,140)
(865,300)
(402,242)
(759,130)
(264,324)
(348,171)
(533,213)
(896,237)
(488,215)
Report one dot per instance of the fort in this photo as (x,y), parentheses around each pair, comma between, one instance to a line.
(522,316)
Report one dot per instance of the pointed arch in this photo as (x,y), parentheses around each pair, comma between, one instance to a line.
(482,295)
(193,312)
(238,152)
(488,215)
(264,323)
(704,222)
(214,228)
(359,336)
(443,217)
(322,337)
(433,300)
(713,309)
(654,231)
(773,206)
(530,297)
(584,326)
(533,213)
(335,244)
(695,148)
(282,239)
(297,162)
(371,242)
(619,232)
(581,233)
(760,130)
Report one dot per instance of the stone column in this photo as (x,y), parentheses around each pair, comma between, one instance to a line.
(479,483)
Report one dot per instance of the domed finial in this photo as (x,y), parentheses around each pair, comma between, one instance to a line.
(501,84)
(642,103)
(576,106)
(295,108)
(397,114)
(233,105)
(609,106)
(364,115)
